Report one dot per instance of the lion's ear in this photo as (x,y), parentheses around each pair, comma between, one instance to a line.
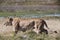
(11,19)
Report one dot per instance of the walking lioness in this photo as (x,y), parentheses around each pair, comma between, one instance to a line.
(24,24)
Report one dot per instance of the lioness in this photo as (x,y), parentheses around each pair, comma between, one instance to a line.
(24,24)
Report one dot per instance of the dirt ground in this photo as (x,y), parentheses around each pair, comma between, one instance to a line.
(53,24)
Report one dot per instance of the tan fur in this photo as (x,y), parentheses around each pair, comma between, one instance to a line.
(23,23)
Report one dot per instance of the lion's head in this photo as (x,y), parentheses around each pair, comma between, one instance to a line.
(9,22)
